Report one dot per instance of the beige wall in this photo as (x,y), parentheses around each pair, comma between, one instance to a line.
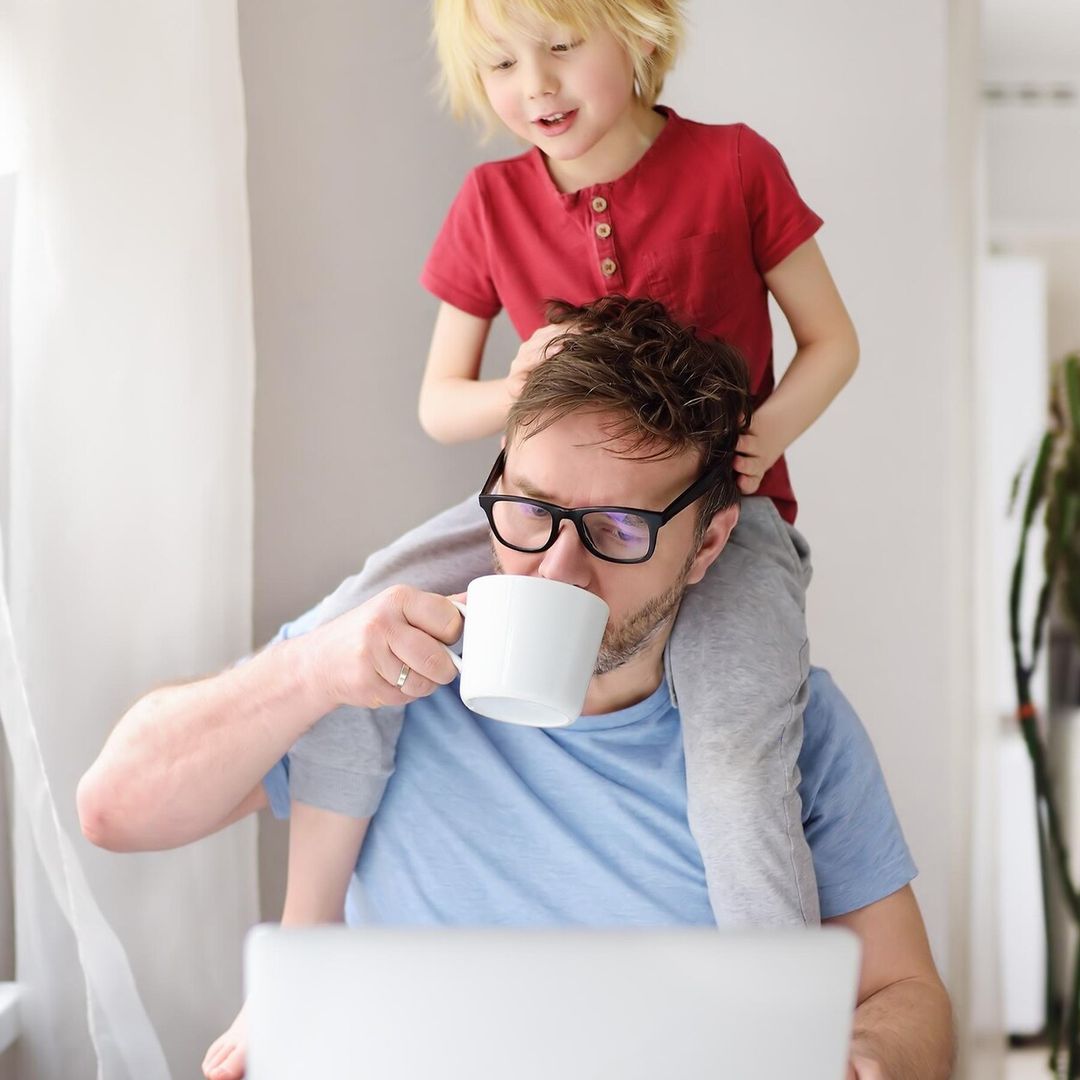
(351,168)
(859,102)
(351,171)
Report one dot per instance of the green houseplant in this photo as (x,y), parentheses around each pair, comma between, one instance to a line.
(1053,489)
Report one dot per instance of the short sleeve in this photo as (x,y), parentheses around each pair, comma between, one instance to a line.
(346,764)
(779,220)
(859,852)
(276,786)
(458,269)
(345,761)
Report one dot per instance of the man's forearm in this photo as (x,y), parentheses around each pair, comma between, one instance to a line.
(907,1029)
(183,757)
(184,760)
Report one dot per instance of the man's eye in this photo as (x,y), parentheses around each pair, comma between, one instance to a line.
(626,528)
(565,46)
(503,65)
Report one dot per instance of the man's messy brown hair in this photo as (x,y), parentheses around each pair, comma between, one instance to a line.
(666,389)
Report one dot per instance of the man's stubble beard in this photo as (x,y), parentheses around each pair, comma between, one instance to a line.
(635,633)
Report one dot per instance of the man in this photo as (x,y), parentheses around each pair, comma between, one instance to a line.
(477,821)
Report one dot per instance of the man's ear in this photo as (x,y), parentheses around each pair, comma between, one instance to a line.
(647,47)
(716,538)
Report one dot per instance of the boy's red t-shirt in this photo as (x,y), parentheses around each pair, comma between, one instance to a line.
(695,224)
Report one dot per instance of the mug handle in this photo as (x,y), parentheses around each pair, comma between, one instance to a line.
(450,652)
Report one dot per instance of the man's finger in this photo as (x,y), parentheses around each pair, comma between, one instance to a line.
(403,646)
(425,655)
(433,614)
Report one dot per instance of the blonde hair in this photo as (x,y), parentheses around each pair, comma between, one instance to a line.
(460,41)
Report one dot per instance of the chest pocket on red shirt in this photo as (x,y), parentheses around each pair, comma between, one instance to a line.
(694,278)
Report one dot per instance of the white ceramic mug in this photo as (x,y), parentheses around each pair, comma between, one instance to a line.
(529,649)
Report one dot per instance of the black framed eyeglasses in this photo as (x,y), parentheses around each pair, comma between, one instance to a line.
(619,534)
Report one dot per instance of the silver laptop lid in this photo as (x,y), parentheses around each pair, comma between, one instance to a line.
(576,1004)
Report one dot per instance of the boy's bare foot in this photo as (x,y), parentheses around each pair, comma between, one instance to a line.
(227,1056)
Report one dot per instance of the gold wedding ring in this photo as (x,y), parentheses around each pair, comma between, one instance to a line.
(405,669)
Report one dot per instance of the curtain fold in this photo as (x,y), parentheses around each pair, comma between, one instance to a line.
(123,1040)
(130,503)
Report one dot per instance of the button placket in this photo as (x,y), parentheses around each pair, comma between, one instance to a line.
(605,246)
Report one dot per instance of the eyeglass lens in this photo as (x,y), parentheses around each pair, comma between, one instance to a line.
(526,525)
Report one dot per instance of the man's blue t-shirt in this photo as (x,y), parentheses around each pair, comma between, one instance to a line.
(486,823)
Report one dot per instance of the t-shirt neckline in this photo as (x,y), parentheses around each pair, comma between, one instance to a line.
(659,701)
(570,198)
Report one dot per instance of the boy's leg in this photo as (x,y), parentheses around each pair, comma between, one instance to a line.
(442,555)
(739,660)
(343,761)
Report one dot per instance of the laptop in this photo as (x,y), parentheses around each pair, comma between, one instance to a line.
(573,1004)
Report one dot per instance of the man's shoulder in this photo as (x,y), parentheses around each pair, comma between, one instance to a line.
(835,742)
(831,726)
(860,855)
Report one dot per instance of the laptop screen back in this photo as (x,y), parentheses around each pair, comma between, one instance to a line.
(394,1004)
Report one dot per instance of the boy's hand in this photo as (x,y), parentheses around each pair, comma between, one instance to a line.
(532,352)
(757,451)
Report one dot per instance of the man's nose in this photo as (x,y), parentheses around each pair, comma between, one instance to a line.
(567,560)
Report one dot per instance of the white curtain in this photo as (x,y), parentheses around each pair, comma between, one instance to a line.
(130,492)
